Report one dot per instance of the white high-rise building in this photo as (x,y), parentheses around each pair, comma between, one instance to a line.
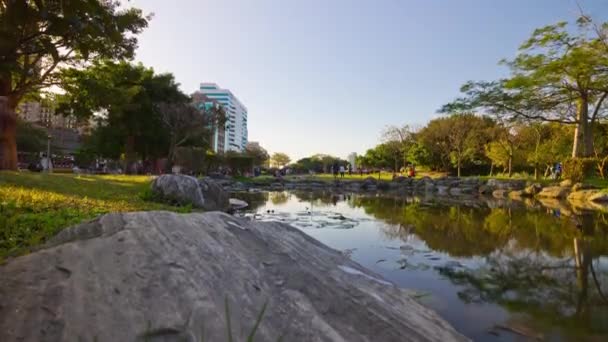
(236,135)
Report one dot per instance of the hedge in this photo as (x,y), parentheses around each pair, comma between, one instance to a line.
(578,169)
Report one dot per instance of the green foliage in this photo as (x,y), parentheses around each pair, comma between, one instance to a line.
(61,33)
(578,169)
(35,206)
(385,155)
(259,155)
(558,76)
(279,159)
(417,154)
(455,141)
(238,162)
(128,95)
(193,159)
(30,138)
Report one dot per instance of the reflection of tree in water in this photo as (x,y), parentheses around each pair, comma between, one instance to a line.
(536,263)
(320,198)
(279,197)
(566,292)
(467,231)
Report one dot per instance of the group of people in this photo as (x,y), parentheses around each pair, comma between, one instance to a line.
(341,170)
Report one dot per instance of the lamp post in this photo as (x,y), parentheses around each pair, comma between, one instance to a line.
(49,164)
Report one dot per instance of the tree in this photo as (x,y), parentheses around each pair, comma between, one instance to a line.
(326,160)
(385,155)
(401,139)
(30,138)
(309,164)
(127,95)
(279,159)
(418,154)
(504,147)
(455,140)
(187,125)
(433,138)
(38,38)
(556,77)
(257,152)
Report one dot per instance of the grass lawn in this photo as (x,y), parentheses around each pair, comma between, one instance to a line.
(387,176)
(35,206)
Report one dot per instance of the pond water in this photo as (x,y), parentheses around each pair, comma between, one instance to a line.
(495,271)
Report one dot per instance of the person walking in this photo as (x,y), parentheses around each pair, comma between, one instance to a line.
(558,170)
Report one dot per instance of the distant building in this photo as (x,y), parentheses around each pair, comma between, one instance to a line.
(236,133)
(65,131)
(218,137)
(352,160)
(44,115)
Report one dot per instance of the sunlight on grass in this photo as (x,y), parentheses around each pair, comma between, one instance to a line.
(35,206)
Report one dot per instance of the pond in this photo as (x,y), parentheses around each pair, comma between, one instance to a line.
(496,271)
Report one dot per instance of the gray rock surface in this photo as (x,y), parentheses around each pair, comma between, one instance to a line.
(161,276)
(216,198)
(554,192)
(181,189)
(236,203)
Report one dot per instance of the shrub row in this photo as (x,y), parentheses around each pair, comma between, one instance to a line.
(578,169)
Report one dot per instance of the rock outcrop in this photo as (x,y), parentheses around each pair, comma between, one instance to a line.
(205,193)
(554,192)
(161,276)
(216,198)
(180,189)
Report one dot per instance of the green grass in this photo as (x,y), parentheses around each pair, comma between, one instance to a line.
(597,182)
(326,177)
(36,206)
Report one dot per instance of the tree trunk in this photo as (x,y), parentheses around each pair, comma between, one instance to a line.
(582,134)
(8,126)
(459,166)
(130,155)
(510,166)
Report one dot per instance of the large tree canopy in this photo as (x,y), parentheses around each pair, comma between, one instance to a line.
(557,76)
(126,99)
(38,38)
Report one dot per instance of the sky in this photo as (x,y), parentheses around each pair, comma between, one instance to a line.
(327,76)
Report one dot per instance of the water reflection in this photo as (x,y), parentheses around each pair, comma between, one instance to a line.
(497,270)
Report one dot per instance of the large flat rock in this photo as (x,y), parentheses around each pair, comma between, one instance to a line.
(161,276)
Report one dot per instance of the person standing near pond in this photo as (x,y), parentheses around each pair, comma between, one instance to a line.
(558,170)
(342,170)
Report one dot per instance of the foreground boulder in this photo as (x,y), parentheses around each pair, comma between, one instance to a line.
(161,276)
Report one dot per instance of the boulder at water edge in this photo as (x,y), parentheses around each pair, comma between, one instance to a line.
(216,198)
(554,192)
(161,276)
(180,189)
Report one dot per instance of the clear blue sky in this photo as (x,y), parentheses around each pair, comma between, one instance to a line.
(329,75)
